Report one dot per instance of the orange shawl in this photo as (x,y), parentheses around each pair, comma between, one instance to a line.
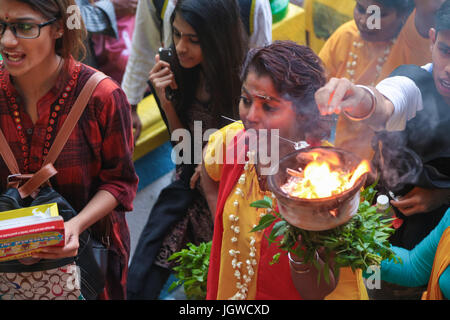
(441,262)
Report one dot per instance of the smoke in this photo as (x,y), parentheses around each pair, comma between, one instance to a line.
(419,154)
(311,126)
(399,165)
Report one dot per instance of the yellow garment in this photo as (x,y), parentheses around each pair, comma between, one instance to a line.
(292,27)
(350,286)
(248,216)
(409,48)
(441,262)
(323,17)
(215,151)
(154,131)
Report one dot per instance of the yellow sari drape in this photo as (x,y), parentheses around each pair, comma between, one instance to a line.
(350,285)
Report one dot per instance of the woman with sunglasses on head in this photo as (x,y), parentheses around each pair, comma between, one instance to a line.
(209,48)
(40,79)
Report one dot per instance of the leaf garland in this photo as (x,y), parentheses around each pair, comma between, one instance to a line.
(358,244)
(192,270)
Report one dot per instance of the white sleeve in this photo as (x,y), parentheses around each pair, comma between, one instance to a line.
(262,24)
(406,98)
(145,44)
(167,26)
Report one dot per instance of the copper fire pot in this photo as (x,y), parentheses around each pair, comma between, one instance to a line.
(317,214)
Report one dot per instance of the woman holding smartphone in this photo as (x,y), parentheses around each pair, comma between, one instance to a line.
(209,45)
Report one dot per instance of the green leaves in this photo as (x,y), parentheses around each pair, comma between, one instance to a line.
(280,228)
(265,222)
(192,270)
(361,242)
(266,203)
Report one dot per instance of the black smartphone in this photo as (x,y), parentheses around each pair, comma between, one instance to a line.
(167,56)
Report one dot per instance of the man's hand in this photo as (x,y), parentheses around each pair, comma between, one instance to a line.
(420,200)
(340,95)
(356,101)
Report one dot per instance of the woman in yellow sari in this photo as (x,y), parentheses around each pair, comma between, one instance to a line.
(279,85)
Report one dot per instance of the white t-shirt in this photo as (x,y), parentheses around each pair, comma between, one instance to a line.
(406,98)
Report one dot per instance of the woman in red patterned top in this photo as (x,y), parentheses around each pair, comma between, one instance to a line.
(39,82)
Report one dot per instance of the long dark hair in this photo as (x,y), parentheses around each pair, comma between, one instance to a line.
(224,43)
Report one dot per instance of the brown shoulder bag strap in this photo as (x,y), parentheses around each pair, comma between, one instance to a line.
(73,117)
(47,171)
(8,155)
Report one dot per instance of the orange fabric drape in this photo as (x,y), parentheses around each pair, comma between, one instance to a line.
(441,262)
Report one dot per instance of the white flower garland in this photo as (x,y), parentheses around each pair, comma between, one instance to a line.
(353,61)
(243,276)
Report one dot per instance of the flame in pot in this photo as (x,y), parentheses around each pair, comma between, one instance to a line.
(322,177)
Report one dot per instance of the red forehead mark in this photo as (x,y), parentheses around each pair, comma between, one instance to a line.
(6,16)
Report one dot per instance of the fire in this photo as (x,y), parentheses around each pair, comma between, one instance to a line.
(322,177)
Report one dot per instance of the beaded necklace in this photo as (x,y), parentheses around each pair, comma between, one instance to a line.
(353,60)
(52,122)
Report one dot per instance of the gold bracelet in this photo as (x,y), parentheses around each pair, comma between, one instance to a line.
(372,108)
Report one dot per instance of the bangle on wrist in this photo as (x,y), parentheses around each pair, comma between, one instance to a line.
(292,262)
(372,107)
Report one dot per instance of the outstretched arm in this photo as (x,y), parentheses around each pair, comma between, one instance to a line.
(417,263)
(359,103)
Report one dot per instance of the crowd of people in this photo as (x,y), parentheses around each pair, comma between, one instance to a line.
(388,87)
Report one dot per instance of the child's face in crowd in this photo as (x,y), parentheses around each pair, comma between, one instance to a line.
(390,21)
(186,43)
(441,62)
